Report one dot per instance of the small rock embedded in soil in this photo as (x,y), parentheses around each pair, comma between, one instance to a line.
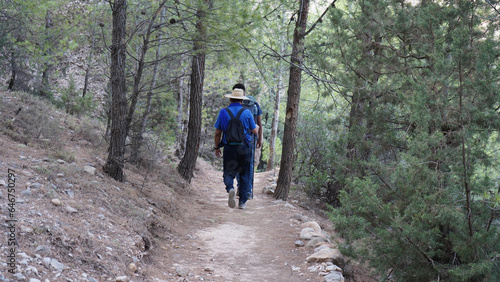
(56,202)
(57,265)
(43,250)
(89,169)
(122,279)
(299,243)
(132,267)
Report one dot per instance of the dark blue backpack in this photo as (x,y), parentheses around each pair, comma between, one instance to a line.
(235,133)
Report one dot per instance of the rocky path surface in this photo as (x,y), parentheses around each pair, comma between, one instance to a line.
(260,243)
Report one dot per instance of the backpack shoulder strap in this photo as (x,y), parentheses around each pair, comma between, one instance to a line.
(240,112)
(230,113)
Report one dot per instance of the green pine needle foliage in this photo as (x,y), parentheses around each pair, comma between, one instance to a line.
(416,169)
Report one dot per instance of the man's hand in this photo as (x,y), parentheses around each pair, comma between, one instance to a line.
(259,143)
(218,153)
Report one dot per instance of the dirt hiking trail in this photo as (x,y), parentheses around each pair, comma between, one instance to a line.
(254,244)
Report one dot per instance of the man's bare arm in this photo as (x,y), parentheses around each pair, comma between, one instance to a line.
(256,130)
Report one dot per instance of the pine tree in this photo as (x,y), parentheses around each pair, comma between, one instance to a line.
(422,84)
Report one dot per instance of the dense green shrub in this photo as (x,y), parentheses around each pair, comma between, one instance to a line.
(75,104)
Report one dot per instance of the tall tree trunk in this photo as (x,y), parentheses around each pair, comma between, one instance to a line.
(292,107)
(188,162)
(116,158)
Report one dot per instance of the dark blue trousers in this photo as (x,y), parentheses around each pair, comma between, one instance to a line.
(237,160)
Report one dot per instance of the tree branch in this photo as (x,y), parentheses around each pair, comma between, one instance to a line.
(320,19)
(488,1)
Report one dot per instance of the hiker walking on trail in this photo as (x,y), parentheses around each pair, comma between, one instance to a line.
(256,141)
(233,130)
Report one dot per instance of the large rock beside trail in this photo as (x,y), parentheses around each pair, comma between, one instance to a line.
(324,255)
(312,231)
(306,233)
(312,224)
(334,276)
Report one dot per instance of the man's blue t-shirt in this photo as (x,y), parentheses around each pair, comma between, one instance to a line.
(246,119)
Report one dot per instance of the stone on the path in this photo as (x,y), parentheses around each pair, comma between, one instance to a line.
(19,276)
(70,193)
(122,279)
(324,255)
(26,192)
(60,175)
(182,271)
(306,233)
(323,246)
(89,169)
(56,202)
(57,265)
(268,190)
(312,224)
(301,218)
(42,249)
(34,280)
(209,269)
(299,243)
(334,276)
(71,209)
(36,185)
(25,229)
(31,270)
(315,241)
(59,161)
(2,183)
(332,267)
(132,267)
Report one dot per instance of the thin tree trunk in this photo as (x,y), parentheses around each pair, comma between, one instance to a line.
(137,139)
(276,114)
(180,140)
(292,107)
(13,67)
(47,66)
(140,68)
(89,66)
(116,159)
(188,162)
